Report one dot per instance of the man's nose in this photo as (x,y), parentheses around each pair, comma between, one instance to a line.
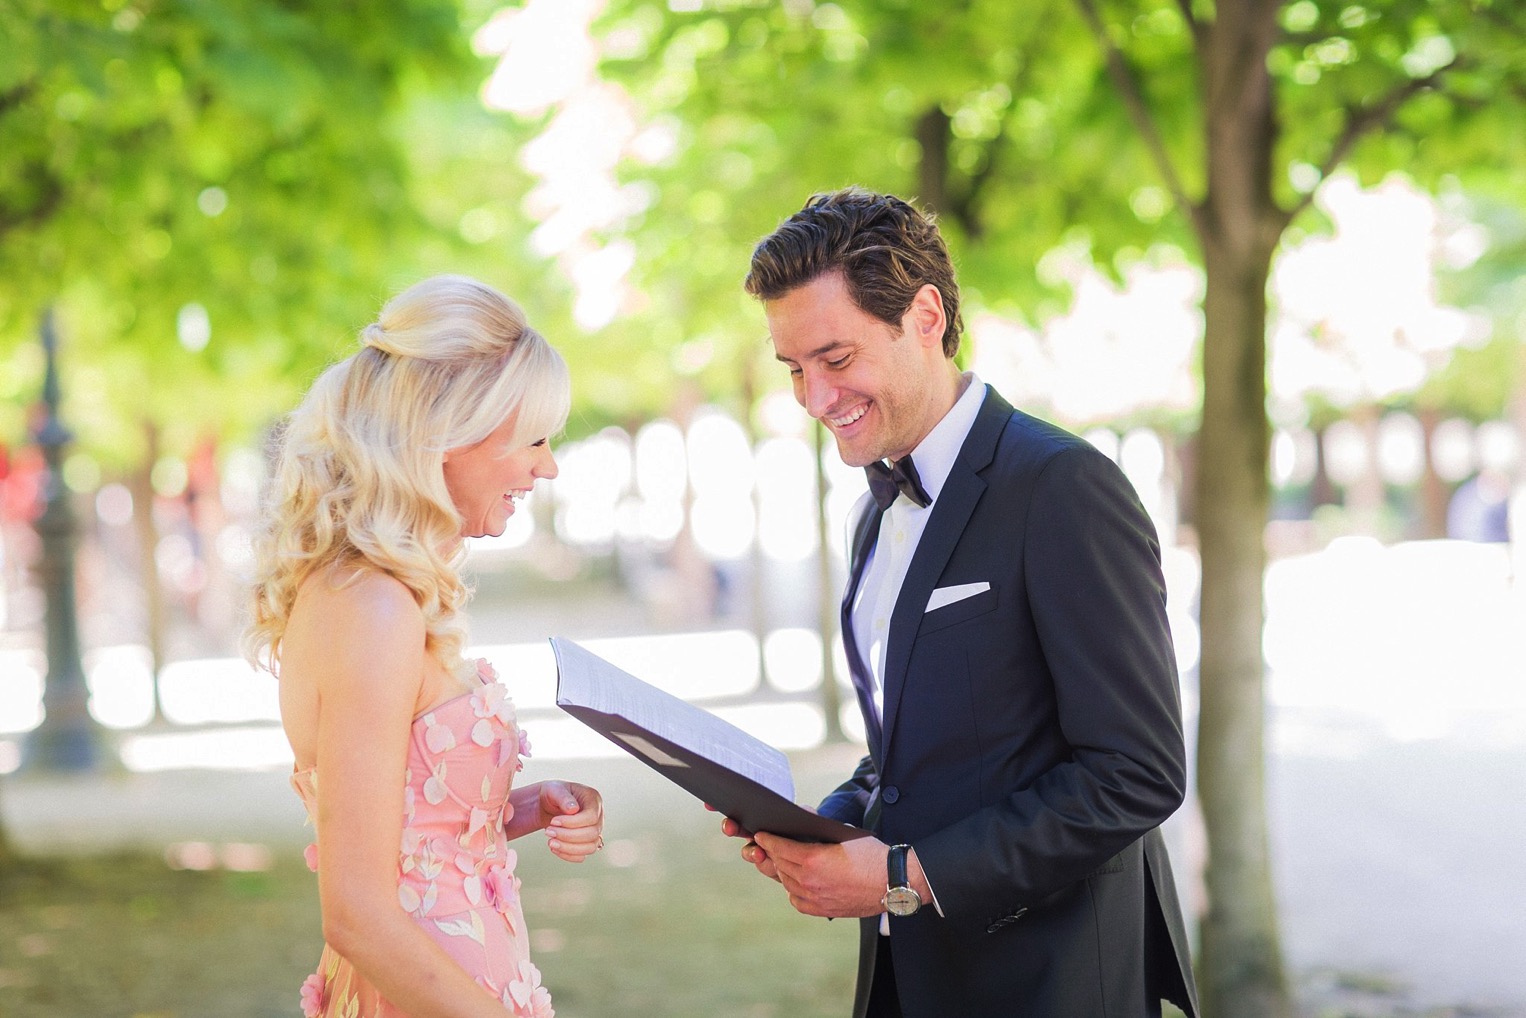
(819,394)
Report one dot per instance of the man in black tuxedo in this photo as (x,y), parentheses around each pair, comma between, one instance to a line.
(1005,625)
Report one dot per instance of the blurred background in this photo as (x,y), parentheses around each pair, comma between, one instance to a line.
(201,204)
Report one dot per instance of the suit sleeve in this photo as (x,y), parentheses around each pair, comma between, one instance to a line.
(849,802)
(1092,576)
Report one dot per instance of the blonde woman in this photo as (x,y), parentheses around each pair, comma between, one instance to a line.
(434,430)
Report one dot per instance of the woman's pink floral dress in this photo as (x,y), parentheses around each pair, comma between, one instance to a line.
(455,872)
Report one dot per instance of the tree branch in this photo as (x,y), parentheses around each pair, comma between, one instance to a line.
(13,97)
(1193,24)
(932,132)
(1363,119)
(1500,20)
(967,206)
(1305,38)
(1127,84)
(50,194)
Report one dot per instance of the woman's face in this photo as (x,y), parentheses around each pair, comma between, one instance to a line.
(488,479)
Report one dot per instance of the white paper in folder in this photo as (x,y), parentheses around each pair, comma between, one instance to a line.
(587,680)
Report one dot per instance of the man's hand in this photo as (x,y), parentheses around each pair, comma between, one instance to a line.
(836,881)
(750,851)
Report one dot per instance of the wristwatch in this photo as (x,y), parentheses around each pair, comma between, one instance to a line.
(900,899)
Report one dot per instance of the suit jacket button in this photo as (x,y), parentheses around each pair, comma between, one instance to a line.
(890,793)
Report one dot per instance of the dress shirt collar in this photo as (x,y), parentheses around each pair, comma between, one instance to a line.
(936,453)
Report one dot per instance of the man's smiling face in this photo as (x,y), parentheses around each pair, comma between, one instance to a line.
(870,383)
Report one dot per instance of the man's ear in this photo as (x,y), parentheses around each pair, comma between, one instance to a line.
(926,316)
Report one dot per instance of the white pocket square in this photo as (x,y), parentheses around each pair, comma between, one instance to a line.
(948,595)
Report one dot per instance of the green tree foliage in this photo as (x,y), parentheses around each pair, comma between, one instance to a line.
(1003,118)
(1098,126)
(1483,382)
(214,196)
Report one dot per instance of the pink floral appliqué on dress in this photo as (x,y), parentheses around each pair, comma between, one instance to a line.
(455,872)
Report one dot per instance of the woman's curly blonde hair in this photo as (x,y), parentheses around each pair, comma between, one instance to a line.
(359,479)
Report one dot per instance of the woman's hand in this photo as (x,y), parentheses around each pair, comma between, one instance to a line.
(573,816)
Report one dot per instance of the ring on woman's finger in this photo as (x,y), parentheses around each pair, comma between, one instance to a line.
(600,845)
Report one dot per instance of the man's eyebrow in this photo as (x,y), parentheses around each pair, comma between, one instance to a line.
(818,352)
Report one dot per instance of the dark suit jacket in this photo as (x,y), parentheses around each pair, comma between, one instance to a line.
(1032,741)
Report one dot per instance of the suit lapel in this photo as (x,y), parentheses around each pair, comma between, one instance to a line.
(864,536)
(950,515)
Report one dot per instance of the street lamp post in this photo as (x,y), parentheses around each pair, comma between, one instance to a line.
(68,739)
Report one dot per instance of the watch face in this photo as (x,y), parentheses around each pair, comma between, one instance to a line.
(902,901)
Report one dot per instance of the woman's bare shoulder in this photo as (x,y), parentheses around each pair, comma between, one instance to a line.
(355,641)
(362,604)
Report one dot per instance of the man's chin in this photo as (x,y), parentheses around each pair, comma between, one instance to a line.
(855,455)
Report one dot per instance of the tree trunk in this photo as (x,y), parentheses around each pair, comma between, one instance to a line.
(1241,962)
(1240,967)
(933,133)
(1322,489)
(7,852)
(1433,490)
(1366,494)
(156,624)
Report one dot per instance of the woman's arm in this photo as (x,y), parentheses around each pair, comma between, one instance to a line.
(363,648)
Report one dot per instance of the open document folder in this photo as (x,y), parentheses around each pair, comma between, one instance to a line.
(747,780)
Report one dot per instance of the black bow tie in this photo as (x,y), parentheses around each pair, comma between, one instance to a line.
(899,478)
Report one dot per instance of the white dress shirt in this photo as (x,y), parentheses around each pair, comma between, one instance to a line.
(901,531)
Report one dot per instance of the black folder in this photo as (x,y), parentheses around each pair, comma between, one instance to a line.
(742,777)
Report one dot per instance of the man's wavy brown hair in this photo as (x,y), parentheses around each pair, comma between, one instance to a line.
(885,249)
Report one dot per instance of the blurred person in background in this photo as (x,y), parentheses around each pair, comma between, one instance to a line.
(433,431)
(1480,508)
(1005,627)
